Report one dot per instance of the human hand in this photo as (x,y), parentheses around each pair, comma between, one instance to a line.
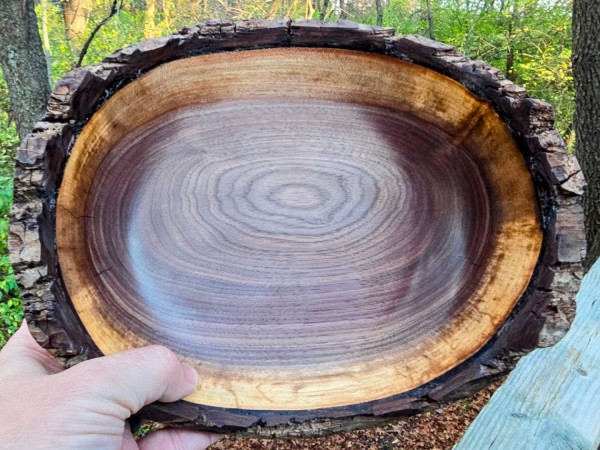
(45,407)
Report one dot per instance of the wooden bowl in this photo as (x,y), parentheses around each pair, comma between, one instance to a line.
(309,228)
(330,235)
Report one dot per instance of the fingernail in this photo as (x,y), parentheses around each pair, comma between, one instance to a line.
(190,374)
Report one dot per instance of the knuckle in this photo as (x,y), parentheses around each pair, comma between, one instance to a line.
(165,356)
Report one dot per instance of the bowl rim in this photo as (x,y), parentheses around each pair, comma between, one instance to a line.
(42,154)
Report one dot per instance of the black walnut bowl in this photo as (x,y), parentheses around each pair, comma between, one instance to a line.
(326,234)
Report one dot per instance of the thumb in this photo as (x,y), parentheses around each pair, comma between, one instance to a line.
(135,378)
(26,356)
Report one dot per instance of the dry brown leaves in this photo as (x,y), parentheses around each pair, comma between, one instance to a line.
(437,430)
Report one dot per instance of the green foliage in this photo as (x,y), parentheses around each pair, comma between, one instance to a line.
(8,134)
(530,40)
(400,15)
(11,313)
(62,57)
(11,316)
(124,29)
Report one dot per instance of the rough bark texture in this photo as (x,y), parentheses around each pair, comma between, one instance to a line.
(586,71)
(23,62)
(540,319)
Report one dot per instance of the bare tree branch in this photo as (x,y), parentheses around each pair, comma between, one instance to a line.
(114,9)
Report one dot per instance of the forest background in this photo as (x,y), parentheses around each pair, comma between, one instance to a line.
(530,40)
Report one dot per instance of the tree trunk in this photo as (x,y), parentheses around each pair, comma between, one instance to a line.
(150,19)
(324,9)
(343,9)
(477,13)
(586,71)
(430,20)
(379,6)
(309,9)
(45,36)
(510,50)
(300,252)
(274,9)
(23,62)
(76,14)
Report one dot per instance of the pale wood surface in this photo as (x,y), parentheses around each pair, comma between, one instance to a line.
(552,399)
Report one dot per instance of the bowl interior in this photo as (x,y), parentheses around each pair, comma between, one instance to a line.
(309,228)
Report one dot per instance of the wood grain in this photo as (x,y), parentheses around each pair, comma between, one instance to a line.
(305,241)
(550,401)
(541,317)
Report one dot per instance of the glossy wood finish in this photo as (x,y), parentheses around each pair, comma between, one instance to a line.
(540,318)
(310,228)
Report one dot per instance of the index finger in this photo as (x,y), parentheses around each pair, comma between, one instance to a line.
(135,378)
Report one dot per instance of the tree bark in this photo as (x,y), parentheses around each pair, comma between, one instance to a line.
(586,71)
(343,11)
(76,15)
(23,62)
(510,50)
(379,6)
(324,9)
(430,21)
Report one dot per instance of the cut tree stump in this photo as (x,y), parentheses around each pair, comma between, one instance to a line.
(333,224)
